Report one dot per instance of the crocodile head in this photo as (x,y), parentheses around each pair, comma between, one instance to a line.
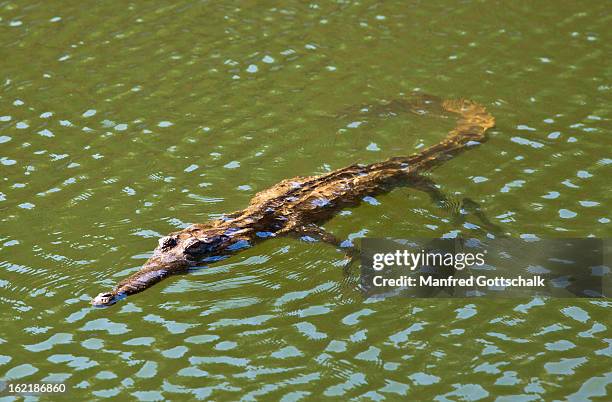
(175,253)
(183,250)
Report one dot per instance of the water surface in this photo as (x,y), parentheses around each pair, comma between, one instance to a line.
(120,122)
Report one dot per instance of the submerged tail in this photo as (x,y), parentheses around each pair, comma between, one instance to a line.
(473,122)
(470,129)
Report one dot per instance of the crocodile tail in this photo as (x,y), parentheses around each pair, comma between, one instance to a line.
(471,126)
(473,122)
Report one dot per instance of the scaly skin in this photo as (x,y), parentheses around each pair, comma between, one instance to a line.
(298,205)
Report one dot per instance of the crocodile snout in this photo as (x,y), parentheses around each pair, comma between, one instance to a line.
(104,299)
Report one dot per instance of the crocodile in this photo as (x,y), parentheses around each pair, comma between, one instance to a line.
(298,206)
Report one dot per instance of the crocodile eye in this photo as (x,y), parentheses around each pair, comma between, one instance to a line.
(195,246)
(167,242)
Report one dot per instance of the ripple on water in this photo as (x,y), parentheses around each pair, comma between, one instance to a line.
(576,313)
(275,325)
(55,339)
(564,366)
(105,325)
(76,362)
(140,341)
(171,326)
(175,353)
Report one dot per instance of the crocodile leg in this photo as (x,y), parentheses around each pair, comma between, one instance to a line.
(459,210)
(469,206)
(312,231)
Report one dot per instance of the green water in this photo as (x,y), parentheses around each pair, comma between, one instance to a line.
(121,122)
